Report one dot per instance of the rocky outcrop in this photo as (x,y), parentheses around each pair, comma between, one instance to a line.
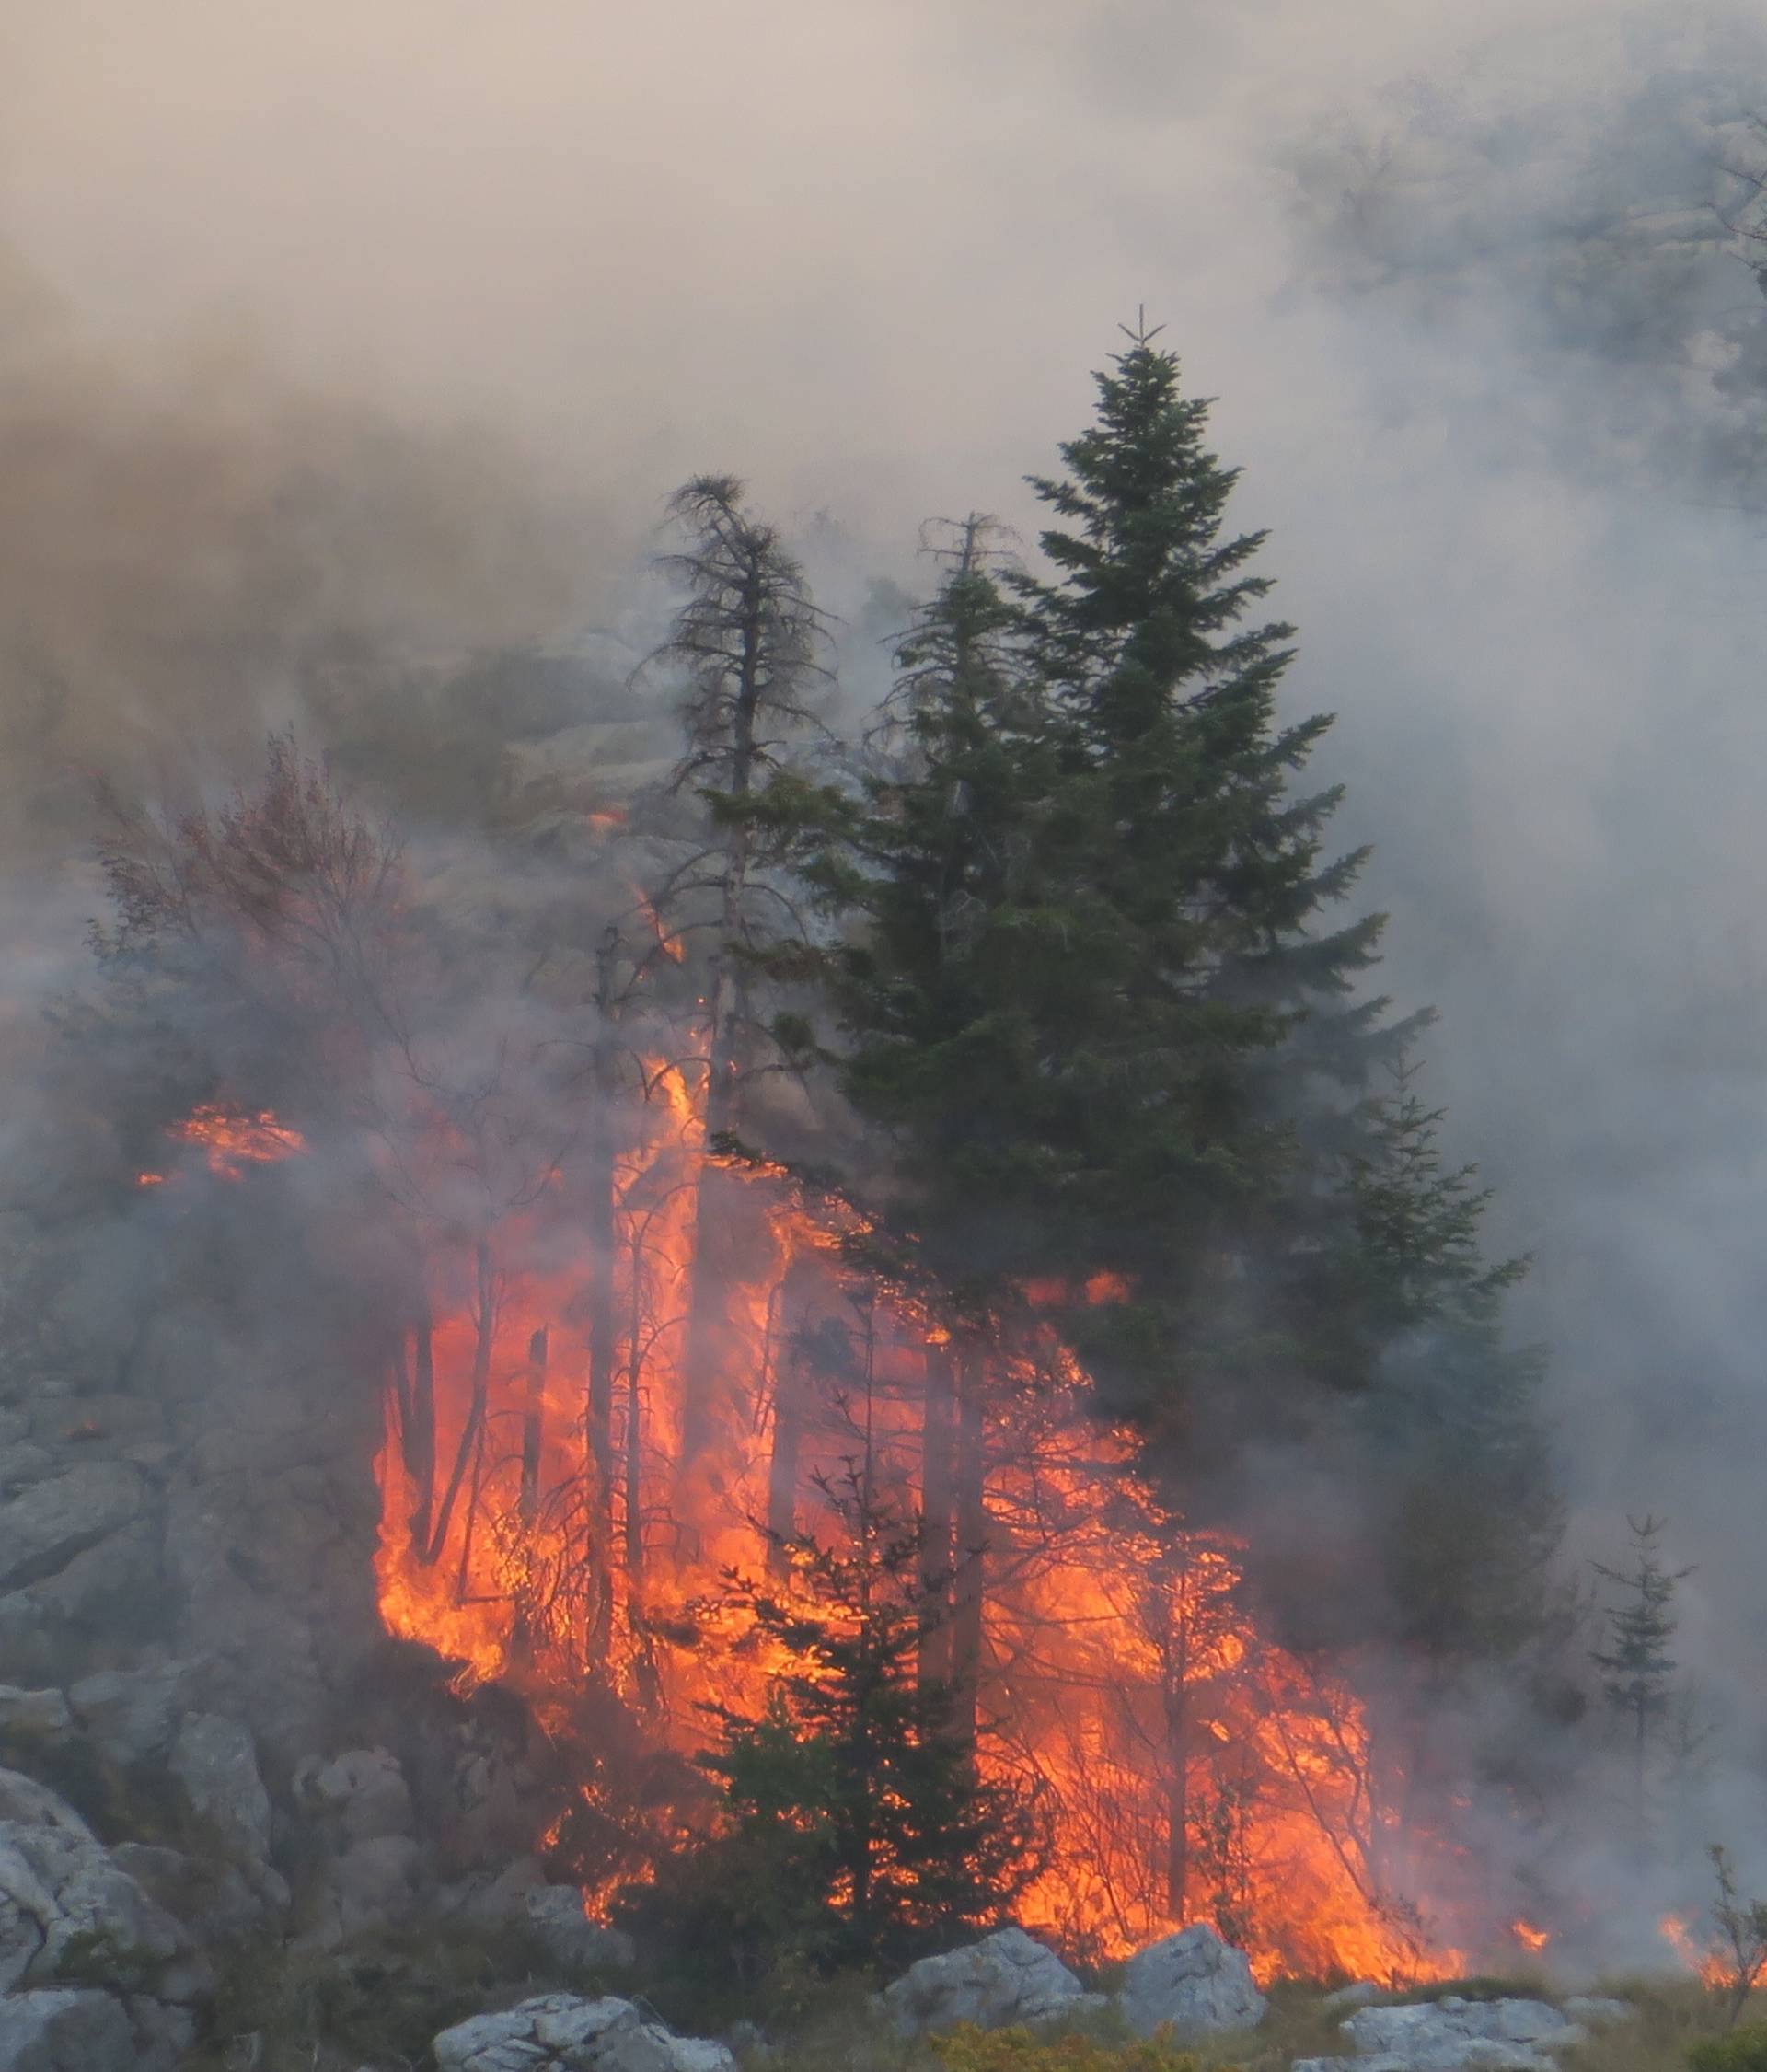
(94,1970)
(569,1937)
(1192,1982)
(132,1715)
(49,1524)
(70,1913)
(357,1809)
(1454,2035)
(65,2031)
(575,2035)
(169,1485)
(998,1982)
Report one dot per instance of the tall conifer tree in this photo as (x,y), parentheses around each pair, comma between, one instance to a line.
(1199,886)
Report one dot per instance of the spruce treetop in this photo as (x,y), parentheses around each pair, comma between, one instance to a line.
(1148,584)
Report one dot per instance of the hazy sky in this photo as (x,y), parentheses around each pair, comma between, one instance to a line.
(1448,265)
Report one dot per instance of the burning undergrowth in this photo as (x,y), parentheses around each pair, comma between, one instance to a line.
(619,1365)
(562,1544)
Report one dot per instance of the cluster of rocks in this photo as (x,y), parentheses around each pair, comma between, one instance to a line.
(1192,1981)
(1451,2034)
(1195,1985)
(109,1954)
(562,2031)
(95,1973)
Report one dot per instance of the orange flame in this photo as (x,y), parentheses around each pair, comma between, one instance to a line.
(1706,1963)
(1532,1939)
(231,1139)
(550,1541)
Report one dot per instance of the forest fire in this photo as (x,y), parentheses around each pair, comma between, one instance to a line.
(1704,1964)
(549,1524)
(231,1141)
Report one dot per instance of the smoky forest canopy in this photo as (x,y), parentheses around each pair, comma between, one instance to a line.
(1030,977)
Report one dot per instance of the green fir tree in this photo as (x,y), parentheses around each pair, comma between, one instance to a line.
(854,1829)
(1637,1668)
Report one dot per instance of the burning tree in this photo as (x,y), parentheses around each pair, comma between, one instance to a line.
(854,1828)
(747,641)
(1064,939)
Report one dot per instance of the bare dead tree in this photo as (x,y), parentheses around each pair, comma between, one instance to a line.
(749,644)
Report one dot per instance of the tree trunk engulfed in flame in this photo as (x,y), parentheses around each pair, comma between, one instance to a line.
(562,1497)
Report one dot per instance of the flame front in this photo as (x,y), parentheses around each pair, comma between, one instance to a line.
(231,1140)
(553,1528)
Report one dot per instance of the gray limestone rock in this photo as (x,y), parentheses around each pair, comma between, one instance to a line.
(132,1714)
(24,1799)
(1194,1982)
(571,1938)
(215,1761)
(559,2030)
(1593,2010)
(1457,2035)
(360,1795)
(71,1914)
(1005,1979)
(1358,1994)
(212,1899)
(45,1525)
(65,2031)
(37,1715)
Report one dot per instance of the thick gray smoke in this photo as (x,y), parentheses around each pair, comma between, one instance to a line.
(342,333)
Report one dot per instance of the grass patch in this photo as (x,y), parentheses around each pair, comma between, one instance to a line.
(1672,2017)
(378,2003)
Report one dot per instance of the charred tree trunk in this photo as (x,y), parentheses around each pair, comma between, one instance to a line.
(646,1680)
(714,1207)
(1177,1754)
(790,1405)
(420,1430)
(534,1425)
(468,1454)
(970,1507)
(937,1491)
(481,1410)
(526,1589)
(598,1402)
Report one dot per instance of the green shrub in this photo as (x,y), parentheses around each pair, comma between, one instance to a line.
(966,2049)
(1743,2050)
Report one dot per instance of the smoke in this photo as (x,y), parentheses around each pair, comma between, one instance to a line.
(339,343)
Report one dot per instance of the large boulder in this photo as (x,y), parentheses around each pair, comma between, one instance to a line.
(47,1525)
(63,2031)
(33,1715)
(209,1896)
(1453,2035)
(360,1796)
(555,1913)
(215,1761)
(374,1886)
(1192,1981)
(1004,1980)
(132,1714)
(71,1914)
(559,2030)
